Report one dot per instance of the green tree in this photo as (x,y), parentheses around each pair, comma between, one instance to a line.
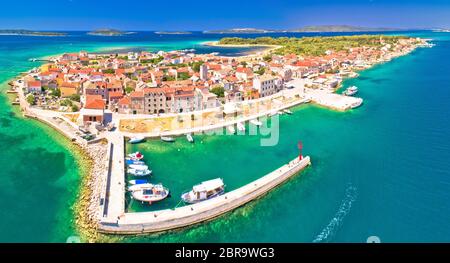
(267,58)
(128,90)
(108,71)
(260,71)
(75,108)
(56,93)
(31,99)
(75,97)
(219,91)
(196,66)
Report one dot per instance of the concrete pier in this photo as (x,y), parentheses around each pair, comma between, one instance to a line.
(333,100)
(169,219)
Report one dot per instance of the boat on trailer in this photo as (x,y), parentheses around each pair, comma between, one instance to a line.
(204,191)
(167,139)
(150,193)
(138,139)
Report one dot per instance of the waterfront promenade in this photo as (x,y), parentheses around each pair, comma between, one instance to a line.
(169,219)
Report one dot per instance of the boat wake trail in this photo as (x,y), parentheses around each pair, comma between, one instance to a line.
(329,231)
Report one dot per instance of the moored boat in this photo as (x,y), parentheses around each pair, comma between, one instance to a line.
(231,129)
(137,156)
(204,191)
(138,166)
(190,138)
(240,126)
(167,139)
(150,193)
(138,181)
(137,172)
(351,91)
(256,122)
(287,111)
(137,139)
(130,161)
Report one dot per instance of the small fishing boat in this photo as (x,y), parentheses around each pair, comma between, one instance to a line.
(150,193)
(167,139)
(138,166)
(138,181)
(137,187)
(204,191)
(287,111)
(240,126)
(256,122)
(351,91)
(136,172)
(130,161)
(231,129)
(190,138)
(138,139)
(137,156)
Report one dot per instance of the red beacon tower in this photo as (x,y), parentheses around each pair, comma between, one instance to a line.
(300,148)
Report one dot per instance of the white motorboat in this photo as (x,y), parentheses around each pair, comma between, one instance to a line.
(137,187)
(138,181)
(138,166)
(231,129)
(137,139)
(136,172)
(357,103)
(256,122)
(130,161)
(287,111)
(190,138)
(351,91)
(167,139)
(150,193)
(137,156)
(240,126)
(204,191)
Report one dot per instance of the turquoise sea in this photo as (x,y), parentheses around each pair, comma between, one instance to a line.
(379,170)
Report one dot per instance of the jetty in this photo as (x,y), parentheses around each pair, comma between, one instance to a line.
(116,221)
(333,100)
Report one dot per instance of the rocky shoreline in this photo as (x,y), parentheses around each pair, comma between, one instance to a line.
(86,209)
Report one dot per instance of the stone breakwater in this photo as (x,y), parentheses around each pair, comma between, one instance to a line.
(86,209)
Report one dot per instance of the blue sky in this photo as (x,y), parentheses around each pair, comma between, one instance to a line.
(213,14)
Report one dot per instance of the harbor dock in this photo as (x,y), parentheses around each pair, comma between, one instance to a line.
(115,222)
(333,100)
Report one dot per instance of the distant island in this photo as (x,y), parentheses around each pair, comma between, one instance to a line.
(442,30)
(313,46)
(107,32)
(173,32)
(239,31)
(23,32)
(341,28)
(305,29)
